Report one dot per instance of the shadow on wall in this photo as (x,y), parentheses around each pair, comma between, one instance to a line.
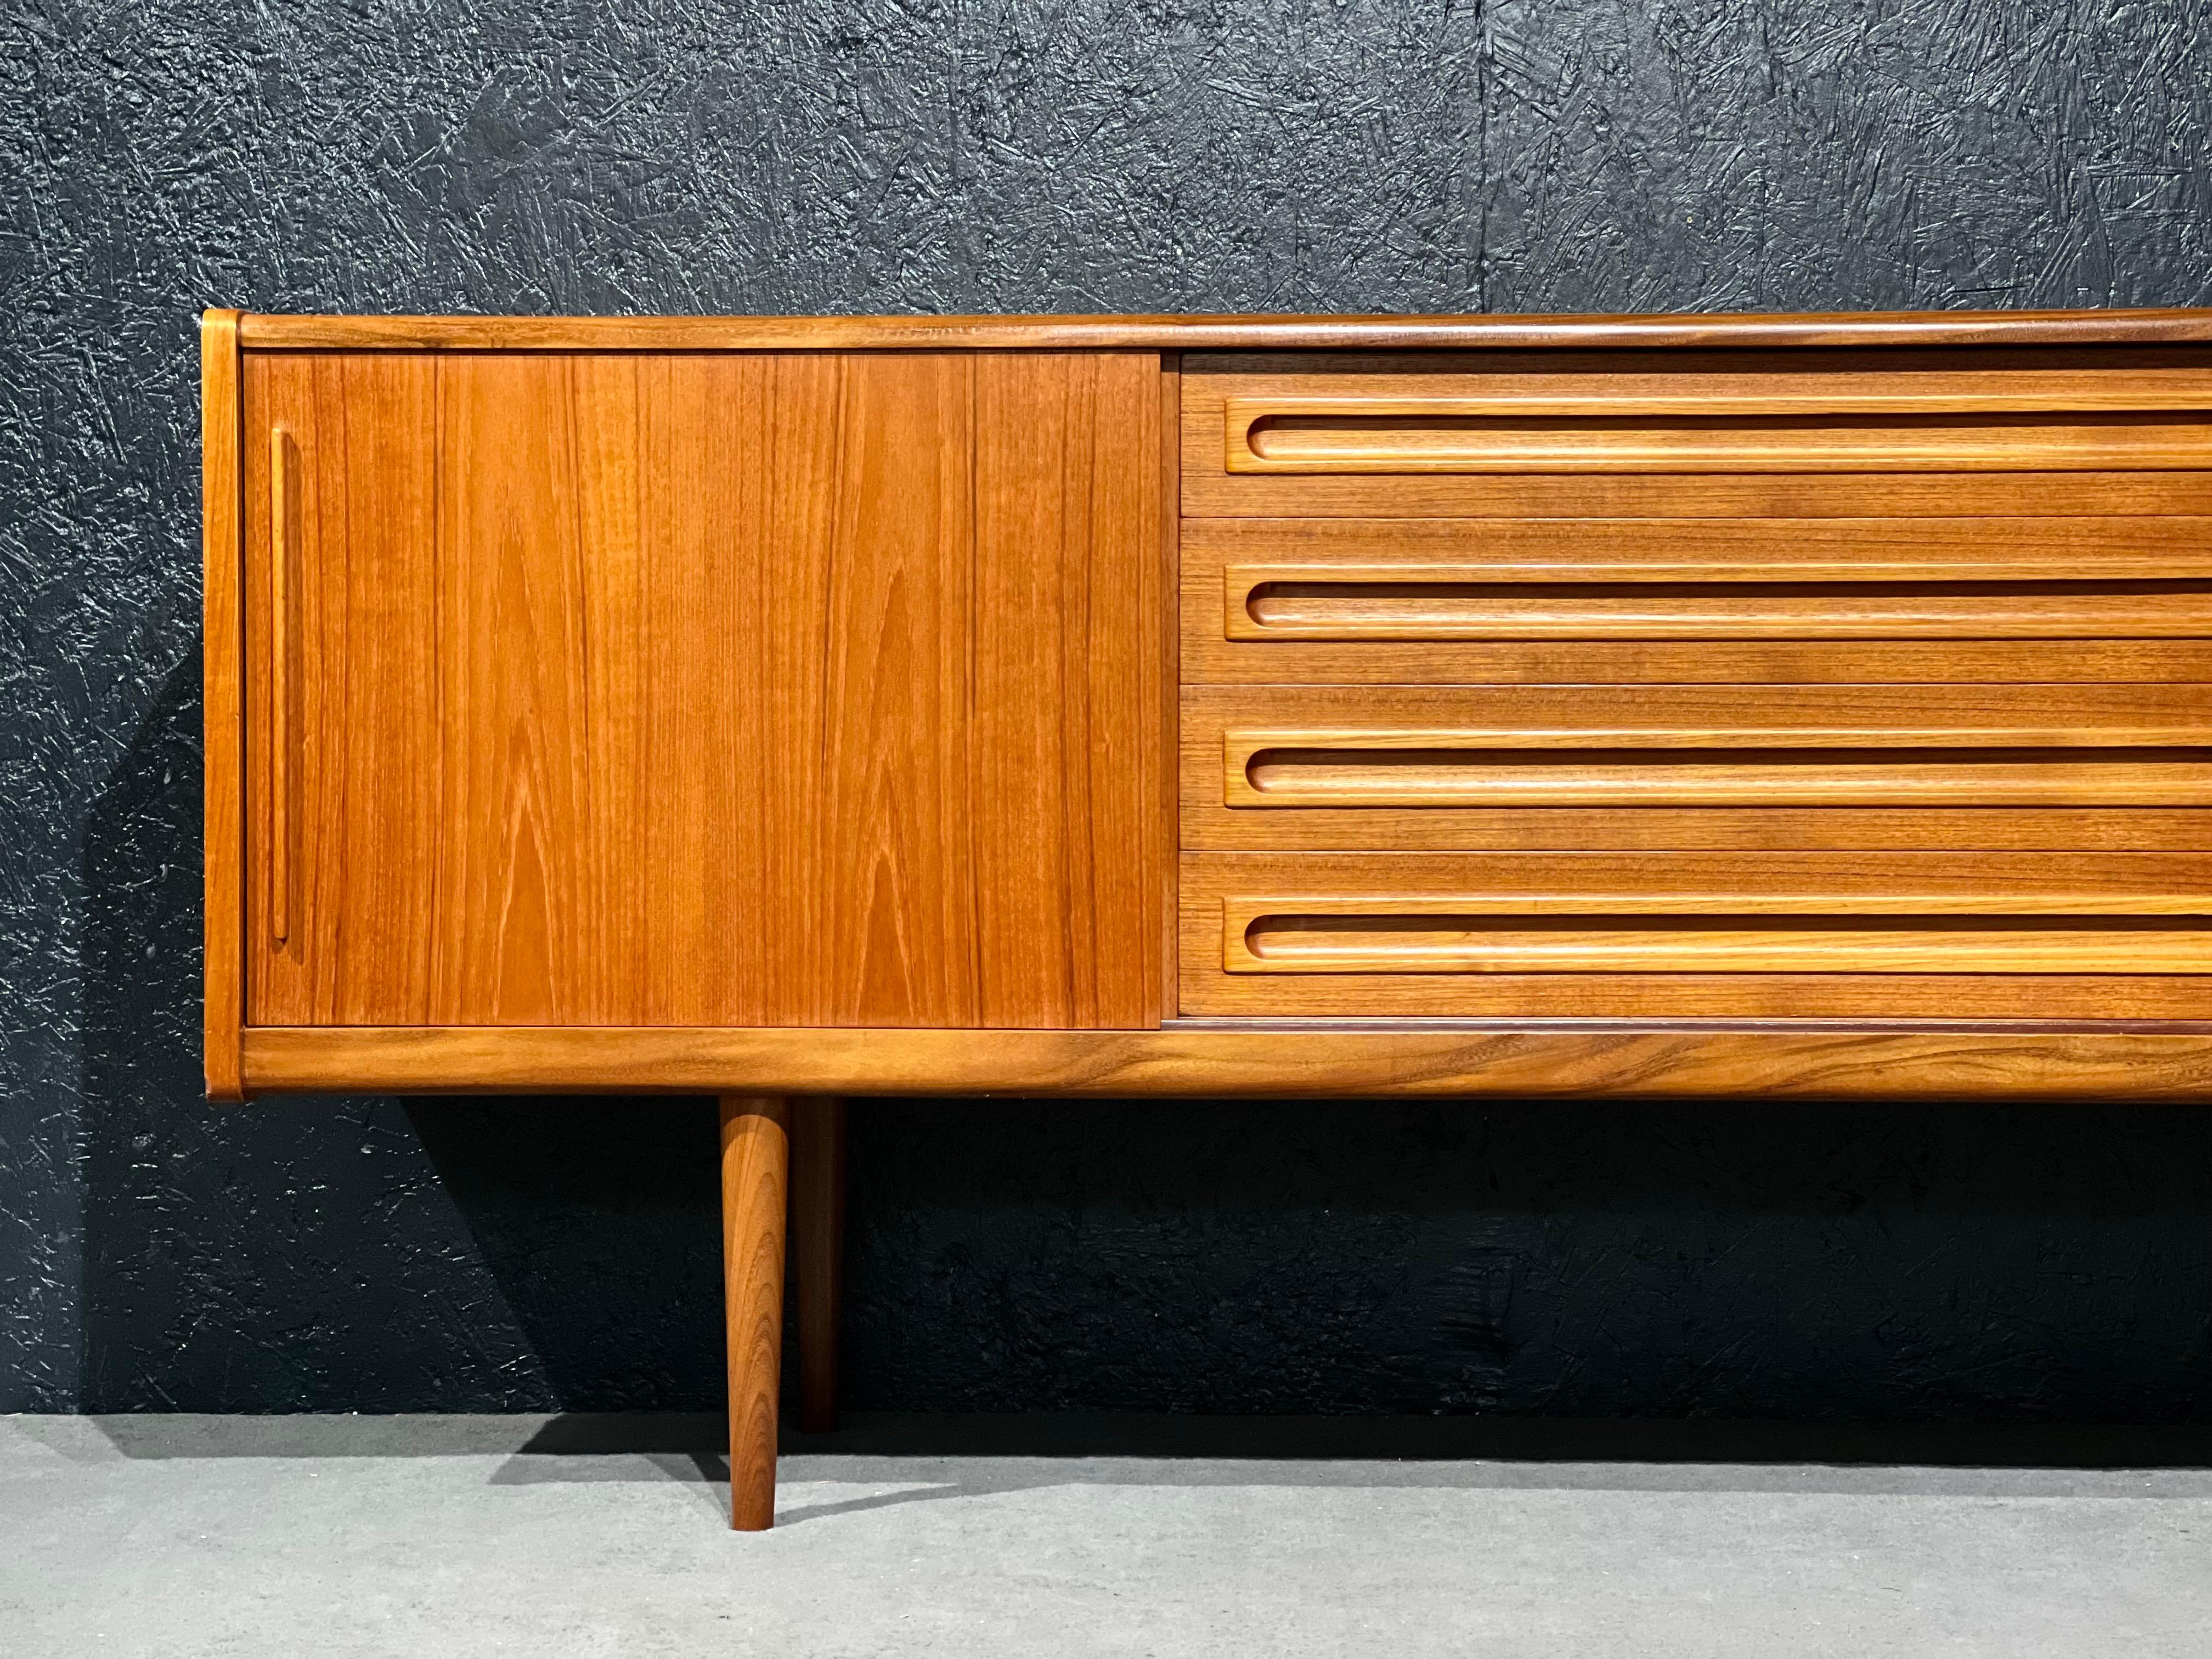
(1578,1260)
(330,1253)
(1751,1260)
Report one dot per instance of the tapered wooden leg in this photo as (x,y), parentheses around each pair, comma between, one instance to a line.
(818,1242)
(756,1174)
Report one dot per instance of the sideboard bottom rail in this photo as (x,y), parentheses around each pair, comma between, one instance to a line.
(1626,1060)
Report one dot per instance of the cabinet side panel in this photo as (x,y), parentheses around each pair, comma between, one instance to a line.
(221,677)
(1066,808)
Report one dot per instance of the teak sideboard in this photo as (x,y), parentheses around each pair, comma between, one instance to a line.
(791,709)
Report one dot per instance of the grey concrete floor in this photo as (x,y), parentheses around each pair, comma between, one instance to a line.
(435,1536)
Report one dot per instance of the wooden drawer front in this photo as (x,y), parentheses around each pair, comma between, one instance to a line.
(1358,769)
(1809,433)
(1752,599)
(2019,935)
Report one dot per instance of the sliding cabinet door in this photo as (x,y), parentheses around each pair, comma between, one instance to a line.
(769,690)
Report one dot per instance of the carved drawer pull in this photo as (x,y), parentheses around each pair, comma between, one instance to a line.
(1412,602)
(1935,767)
(1812,433)
(1715,933)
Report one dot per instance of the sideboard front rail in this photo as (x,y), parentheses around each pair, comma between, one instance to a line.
(1835,1061)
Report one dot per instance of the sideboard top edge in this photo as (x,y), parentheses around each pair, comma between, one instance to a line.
(275,332)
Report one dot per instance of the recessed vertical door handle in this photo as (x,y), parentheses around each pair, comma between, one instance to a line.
(284,526)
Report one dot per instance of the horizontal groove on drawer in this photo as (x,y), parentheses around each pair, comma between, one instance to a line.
(1474,601)
(1275,603)
(1356,434)
(1720,942)
(1782,932)
(2141,776)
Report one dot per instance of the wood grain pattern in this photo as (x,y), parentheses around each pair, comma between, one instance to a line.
(1698,717)
(899,927)
(284,561)
(1711,933)
(358,770)
(222,705)
(1170,655)
(1872,374)
(756,1171)
(1214,333)
(1289,770)
(535,561)
(1693,884)
(1536,601)
(813,689)
(1692,495)
(818,1249)
(1383,602)
(1843,394)
(1216,493)
(577,742)
(1208,826)
(1067,797)
(1526,1057)
(2102,430)
(1591,768)
(1223,893)
(1734,484)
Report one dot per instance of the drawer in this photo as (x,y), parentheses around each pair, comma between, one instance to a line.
(1758,600)
(1811,434)
(1360,768)
(1810,935)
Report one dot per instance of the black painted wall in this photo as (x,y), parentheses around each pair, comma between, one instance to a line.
(1963,1261)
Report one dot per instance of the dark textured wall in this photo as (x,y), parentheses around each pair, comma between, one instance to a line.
(1028,155)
